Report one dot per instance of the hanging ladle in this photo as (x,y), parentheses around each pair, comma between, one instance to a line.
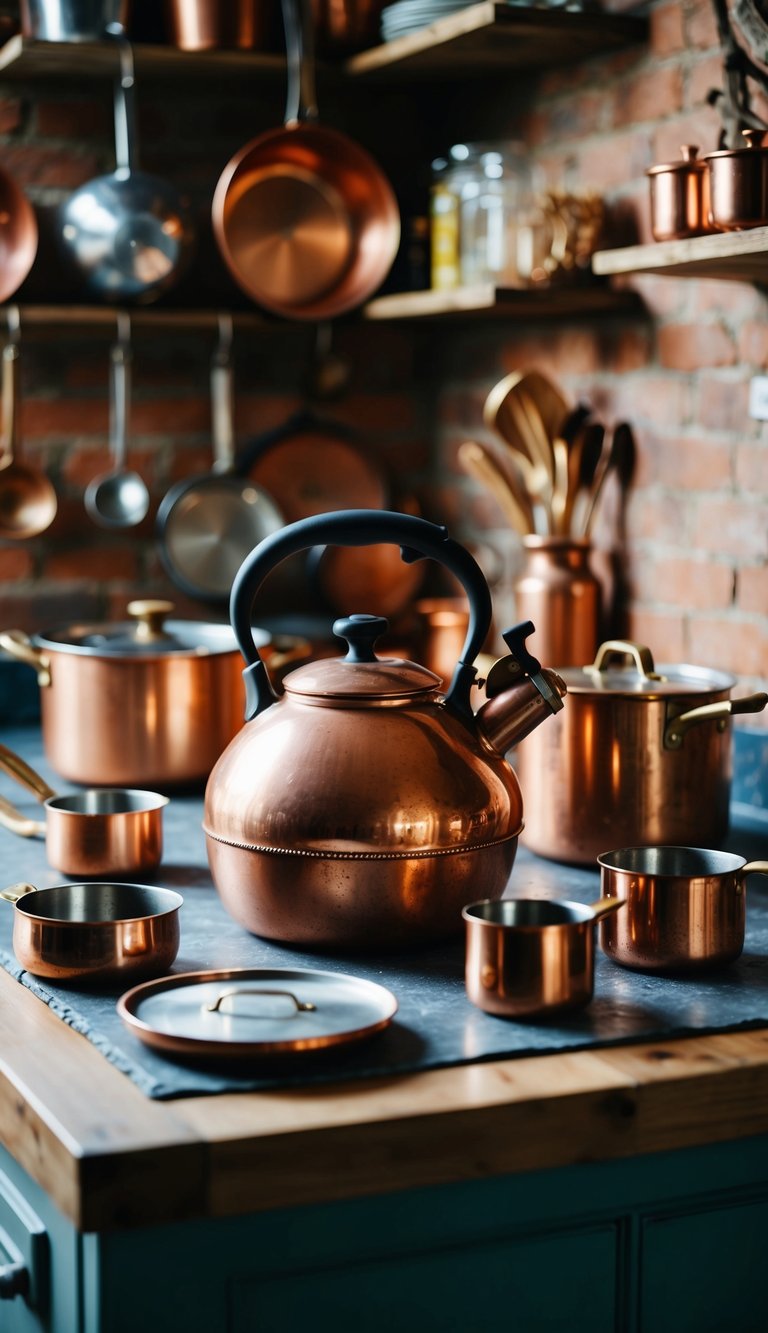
(118,498)
(28,501)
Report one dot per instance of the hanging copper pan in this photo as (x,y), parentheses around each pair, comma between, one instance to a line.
(305,220)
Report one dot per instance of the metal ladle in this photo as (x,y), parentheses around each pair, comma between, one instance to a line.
(118,498)
(28,500)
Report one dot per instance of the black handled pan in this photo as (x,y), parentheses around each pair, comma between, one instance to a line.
(207,525)
(305,220)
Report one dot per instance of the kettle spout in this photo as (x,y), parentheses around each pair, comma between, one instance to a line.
(510,716)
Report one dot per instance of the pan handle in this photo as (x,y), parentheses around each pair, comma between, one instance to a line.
(718,712)
(301,95)
(124,110)
(16,822)
(416,537)
(16,768)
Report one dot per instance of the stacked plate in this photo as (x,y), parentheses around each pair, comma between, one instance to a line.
(409,15)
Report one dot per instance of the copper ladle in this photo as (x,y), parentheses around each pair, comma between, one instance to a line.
(28,501)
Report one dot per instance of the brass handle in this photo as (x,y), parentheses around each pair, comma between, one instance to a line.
(754,868)
(302,1006)
(604,906)
(16,891)
(641,656)
(20,770)
(676,728)
(16,822)
(149,614)
(18,645)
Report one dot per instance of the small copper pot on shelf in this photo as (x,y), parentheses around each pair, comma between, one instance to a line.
(680,197)
(738,184)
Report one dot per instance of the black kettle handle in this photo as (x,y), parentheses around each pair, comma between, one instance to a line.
(416,537)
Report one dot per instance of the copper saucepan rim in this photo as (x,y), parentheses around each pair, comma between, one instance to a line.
(329,854)
(168,902)
(491,913)
(672,861)
(105,801)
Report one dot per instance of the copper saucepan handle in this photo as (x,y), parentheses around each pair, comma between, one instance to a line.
(754,868)
(16,822)
(718,712)
(17,768)
(19,646)
(604,907)
(16,891)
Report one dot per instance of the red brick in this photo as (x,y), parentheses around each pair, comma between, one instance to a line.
(701,25)
(731,526)
(691,463)
(722,404)
(82,464)
(752,589)
(663,297)
(704,74)
(569,119)
(10,116)
(608,166)
(94,562)
(78,120)
(738,300)
(659,517)
(753,343)
(664,400)
(666,30)
(730,644)
(650,95)
(695,346)
(36,164)
(64,418)
(16,562)
(700,126)
(752,467)
(662,632)
(691,584)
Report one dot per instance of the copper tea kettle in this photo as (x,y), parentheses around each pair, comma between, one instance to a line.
(364,807)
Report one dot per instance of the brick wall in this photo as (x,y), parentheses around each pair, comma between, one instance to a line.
(690,539)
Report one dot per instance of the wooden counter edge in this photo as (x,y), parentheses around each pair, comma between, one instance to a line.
(110,1157)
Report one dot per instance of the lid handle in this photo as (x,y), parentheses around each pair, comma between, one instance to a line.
(416,537)
(361,633)
(149,615)
(300,1006)
(641,656)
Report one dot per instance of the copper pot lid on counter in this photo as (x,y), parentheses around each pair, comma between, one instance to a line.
(250,1012)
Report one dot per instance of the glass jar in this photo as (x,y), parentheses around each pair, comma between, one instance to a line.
(444,206)
(496,192)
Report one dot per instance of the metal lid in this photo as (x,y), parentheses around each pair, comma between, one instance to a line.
(689,162)
(147,635)
(255,1011)
(640,676)
(361,674)
(753,146)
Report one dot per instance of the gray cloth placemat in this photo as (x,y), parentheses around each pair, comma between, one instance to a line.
(436,1026)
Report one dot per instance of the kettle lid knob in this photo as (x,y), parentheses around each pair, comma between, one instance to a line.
(361,633)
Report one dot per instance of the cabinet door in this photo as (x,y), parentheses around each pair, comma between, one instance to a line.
(706,1270)
(556,1283)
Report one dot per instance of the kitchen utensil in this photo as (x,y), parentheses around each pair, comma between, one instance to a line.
(686,907)
(478,462)
(96,932)
(18,236)
(679,197)
(204,25)
(305,220)
(738,184)
(527,403)
(111,831)
(641,755)
(531,957)
(557,589)
(244,1013)
(28,502)
(128,234)
(356,809)
(73,20)
(118,498)
(207,525)
(618,458)
(148,702)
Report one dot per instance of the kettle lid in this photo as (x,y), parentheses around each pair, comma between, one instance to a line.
(361,674)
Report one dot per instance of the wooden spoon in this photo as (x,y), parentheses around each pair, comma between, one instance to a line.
(477,462)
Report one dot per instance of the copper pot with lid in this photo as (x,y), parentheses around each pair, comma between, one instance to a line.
(147,702)
(680,197)
(641,755)
(738,184)
(363,806)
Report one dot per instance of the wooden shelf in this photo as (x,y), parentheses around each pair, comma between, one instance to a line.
(489,301)
(740,256)
(492,37)
(25,58)
(104,318)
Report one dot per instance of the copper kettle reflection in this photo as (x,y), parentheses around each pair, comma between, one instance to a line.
(364,806)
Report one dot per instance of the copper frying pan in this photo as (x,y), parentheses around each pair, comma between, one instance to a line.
(18,236)
(305,220)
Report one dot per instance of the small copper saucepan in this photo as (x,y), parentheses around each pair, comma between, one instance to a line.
(95,932)
(686,907)
(529,957)
(106,831)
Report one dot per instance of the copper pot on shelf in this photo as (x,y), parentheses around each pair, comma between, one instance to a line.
(204,25)
(641,755)
(680,197)
(363,806)
(144,702)
(738,184)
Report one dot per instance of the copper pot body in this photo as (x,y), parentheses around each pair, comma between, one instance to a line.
(401,812)
(686,907)
(111,831)
(527,957)
(440,630)
(557,590)
(611,769)
(680,202)
(97,932)
(738,186)
(203,25)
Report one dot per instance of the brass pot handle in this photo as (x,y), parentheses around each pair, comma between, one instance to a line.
(17,768)
(676,728)
(641,656)
(604,907)
(753,868)
(16,822)
(19,646)
(16,891)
